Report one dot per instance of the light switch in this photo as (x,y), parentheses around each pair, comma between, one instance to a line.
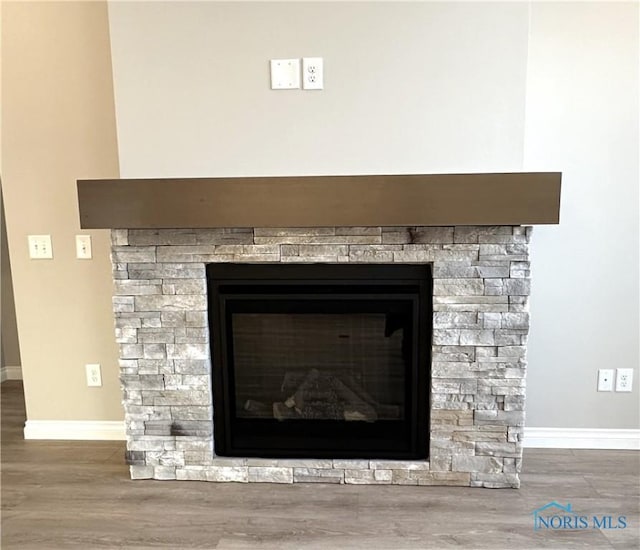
(40,247)
(285,74)
(83,247)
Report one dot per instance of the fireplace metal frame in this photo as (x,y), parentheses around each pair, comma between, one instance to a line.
(320,283)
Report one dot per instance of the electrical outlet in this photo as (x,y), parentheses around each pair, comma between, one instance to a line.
(312,73)
(605,380)
(83,247)
(40,247)
(624,379)
(94,376)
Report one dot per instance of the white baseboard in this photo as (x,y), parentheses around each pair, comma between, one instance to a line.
(10,373)
(534,438)
(74,429)
(581,438)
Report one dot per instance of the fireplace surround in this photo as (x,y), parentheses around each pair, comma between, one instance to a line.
(471,232)
(480,323)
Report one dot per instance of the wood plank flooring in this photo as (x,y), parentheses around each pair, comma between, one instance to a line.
(58,495)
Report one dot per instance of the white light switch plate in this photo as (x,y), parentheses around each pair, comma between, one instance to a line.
(83,247)
(40,247)
(285,74)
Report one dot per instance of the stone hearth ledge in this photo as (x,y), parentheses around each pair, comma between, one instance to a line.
(481,286)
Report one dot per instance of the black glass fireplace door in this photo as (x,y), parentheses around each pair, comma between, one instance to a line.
(310,365)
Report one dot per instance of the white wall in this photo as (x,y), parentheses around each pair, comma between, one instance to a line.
(409,88)
(582,118)
(420,87)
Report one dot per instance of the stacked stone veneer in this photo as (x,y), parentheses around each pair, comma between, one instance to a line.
(480,326)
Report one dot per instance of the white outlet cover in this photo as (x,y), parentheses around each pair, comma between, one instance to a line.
(312,73)
(285,74)
(624,380)
(605,380)
(94,375)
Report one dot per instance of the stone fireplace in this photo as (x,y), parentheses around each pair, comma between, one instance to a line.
(480,323)
(465,235)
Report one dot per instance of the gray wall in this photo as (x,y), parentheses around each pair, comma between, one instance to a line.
(582,118)
(421,87)
(408,88)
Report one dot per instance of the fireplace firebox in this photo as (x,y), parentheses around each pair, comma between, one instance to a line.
(320,360)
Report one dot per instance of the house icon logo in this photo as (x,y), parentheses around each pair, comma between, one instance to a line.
(554,515)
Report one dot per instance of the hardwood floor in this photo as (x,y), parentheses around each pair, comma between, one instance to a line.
(59,495)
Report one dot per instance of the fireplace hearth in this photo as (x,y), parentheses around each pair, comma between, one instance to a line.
(320,360)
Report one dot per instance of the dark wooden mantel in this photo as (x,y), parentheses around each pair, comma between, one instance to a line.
(319,201)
